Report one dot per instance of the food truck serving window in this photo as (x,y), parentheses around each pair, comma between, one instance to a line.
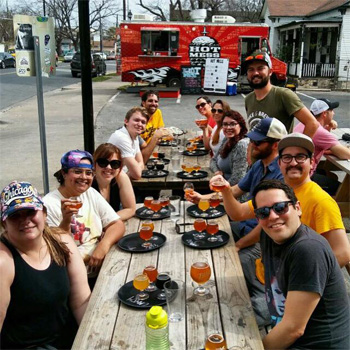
(159,40)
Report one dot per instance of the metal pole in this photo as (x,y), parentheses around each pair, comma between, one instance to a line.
(40,98)
(302,51)
(124,10)
(44,7)
(101,36)
(86,81)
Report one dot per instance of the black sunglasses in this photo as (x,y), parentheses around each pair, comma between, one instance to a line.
(214,110)
(103,163)
(201,105)
(258,143)
(279,208)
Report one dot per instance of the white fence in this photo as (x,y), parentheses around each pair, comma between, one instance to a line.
(324,70)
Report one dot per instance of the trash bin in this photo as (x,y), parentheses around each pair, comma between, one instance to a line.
(231,89)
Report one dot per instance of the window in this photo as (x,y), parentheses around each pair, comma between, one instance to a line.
(159,41)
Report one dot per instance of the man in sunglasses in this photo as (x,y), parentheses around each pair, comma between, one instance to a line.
(271,101)
(304,286)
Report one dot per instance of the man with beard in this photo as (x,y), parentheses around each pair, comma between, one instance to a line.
(154,130)
(270,101)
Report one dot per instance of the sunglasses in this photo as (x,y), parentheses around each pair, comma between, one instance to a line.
(201,105)
(103,163)
(279,208)
(258,143)
(213,110)
(257,57)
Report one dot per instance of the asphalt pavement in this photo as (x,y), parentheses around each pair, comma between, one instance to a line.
(20,155)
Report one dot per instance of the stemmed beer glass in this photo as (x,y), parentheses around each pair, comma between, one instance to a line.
(200,273)
(140,283)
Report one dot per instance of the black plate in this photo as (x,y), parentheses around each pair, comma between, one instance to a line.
(132,243)
(149,174)
(164,160)
(201,174)
(195,212)
(127,293)
(195,153)
(189,239)
(141,214)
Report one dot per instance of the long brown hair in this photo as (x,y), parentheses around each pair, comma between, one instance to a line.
(225,108)
(58,250)
(231,142)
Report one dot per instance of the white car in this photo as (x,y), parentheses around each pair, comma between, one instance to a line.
(102,54)
(68,56)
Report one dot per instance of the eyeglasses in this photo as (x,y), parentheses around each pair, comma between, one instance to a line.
(78,171)
(279,208)
(201,105)
(214,110)
(299,158)
(229,125)
(103,163)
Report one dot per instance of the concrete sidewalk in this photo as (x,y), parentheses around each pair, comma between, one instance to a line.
(20,155)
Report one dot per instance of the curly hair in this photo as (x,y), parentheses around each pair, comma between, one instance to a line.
(225,108)
(230,143)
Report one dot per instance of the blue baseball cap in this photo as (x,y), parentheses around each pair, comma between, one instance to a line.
(73,158)
(19,196)
(268,128)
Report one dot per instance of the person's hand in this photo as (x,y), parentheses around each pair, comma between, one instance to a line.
(218,178)
(219,172)
(98,255)
(67,210)
(162,132)
(193,197)
(331,126)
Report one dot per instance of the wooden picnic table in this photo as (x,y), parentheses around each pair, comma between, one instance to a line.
(334,163)
(109,324)
(171,181)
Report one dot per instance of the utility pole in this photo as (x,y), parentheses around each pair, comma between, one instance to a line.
(124,10)
(44,7)
(101,36)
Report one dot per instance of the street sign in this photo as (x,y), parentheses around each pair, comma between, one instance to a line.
(25,28)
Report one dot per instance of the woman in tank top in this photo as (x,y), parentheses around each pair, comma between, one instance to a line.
(111,181)
(43,278)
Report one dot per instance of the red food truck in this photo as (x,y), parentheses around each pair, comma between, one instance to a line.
(155,51)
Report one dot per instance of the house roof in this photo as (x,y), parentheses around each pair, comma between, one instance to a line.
(287,8)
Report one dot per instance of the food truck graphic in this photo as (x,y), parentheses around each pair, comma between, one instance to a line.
(155,51)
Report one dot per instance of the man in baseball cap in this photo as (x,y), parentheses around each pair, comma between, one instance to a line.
(324,140)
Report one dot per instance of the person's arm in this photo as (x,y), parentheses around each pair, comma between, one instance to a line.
(79,287)
(135,166)
(310,122)
(340,151)
(251,238)
(127,197)
(299,307)
(206,138)
(113,233)
(7,272)
(147,149)
(213,165)
(339,243)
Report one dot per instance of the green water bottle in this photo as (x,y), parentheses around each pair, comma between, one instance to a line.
(157,329)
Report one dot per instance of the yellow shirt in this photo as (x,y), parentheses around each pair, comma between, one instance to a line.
(319,210)
(154,123)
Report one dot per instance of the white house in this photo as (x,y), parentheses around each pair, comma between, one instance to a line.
(312,36)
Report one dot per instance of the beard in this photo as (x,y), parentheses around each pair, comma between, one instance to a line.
(262,84)
(262,154)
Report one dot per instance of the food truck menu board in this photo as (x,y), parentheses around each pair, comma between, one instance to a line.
(191,80)
(215,75)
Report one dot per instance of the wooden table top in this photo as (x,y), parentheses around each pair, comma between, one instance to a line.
(171,181)
(108,324)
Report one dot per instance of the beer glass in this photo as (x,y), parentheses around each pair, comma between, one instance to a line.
(218,185)
(140,283)
(212,229)
(156,206)
(161,279)
(199,225)
(200,273)
(204,206)
(214,202)
(152,273)
(146,234)
(147,203)
(75,203)
(215,342)
(188,188)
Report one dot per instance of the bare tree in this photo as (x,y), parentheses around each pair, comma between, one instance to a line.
(249,9)
(66,17)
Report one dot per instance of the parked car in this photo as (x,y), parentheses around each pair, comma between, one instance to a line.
(7,60)
(102,54)
(111,56)
(68,56)
(98,65)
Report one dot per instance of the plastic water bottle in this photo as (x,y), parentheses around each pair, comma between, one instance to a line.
(157,329)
